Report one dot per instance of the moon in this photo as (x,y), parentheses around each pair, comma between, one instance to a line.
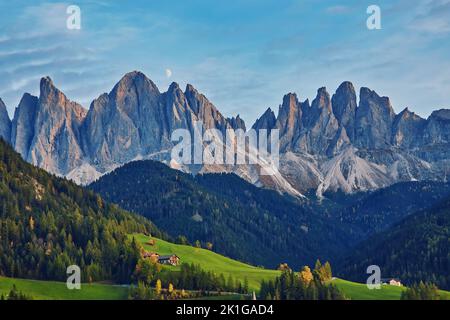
(168,73)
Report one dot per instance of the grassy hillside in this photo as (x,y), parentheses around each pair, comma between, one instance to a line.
(244,222)
(49,223)
(210,261)
(238,270)
(52,290)
(207,259)
(359,291)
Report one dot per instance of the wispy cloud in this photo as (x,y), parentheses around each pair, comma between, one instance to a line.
(338,9)
(434,19)
(243,55)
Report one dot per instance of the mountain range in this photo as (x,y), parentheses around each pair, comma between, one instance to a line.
(335,143)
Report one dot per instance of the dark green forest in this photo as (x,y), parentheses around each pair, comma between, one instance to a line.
(373,212)
(242,221)
(415,249)
(48,223)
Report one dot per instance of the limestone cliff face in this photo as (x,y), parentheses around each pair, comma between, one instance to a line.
(56,142)
(407,129)
(322,126)
(237,123)
(23,124)
(136,120)
(46,130)
(344,108)
(337,145)
(5,122)
(125,123)
(289,120)
(267,121)
(374,119)
(332,144)
(437,129)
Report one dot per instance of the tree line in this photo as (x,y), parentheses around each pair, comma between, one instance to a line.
(153,281)
(302,285)
(48,223)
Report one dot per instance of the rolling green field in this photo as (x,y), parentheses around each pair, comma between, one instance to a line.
(238,270)
(210,261)
(359,291)
(52,290)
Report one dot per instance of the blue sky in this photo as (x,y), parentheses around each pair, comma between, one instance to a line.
(243,55)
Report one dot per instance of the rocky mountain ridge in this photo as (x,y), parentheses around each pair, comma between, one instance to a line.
(334,143)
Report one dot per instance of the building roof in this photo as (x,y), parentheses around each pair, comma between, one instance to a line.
(389,279)
(167,257)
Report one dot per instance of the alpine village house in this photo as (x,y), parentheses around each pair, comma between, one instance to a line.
(172,260)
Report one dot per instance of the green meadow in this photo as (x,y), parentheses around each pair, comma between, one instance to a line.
(238,270)
(52,290)
(210,261)
(359,291)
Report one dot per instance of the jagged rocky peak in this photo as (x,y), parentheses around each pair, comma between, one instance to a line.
(289,120)
(322,125)
(5,122)
(320,106)
(55,142)
(322,99)
(236,123)
(134,90)
(407,129)
(174,87)
(125,123)
(177,108)
(374,118)
(52,98)
(205,110)
(369,98)
(437,130)
(410,116)
(344,107)
(364,147)
(441,114)
(266,121)
(176,96)
(22,129)
(137,80)
(193,97)
(289,114)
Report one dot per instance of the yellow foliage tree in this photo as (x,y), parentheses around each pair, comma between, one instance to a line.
(31,222)
(158,287)
(306,275)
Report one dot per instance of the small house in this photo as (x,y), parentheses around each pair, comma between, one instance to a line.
(391,282)
(172,260)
